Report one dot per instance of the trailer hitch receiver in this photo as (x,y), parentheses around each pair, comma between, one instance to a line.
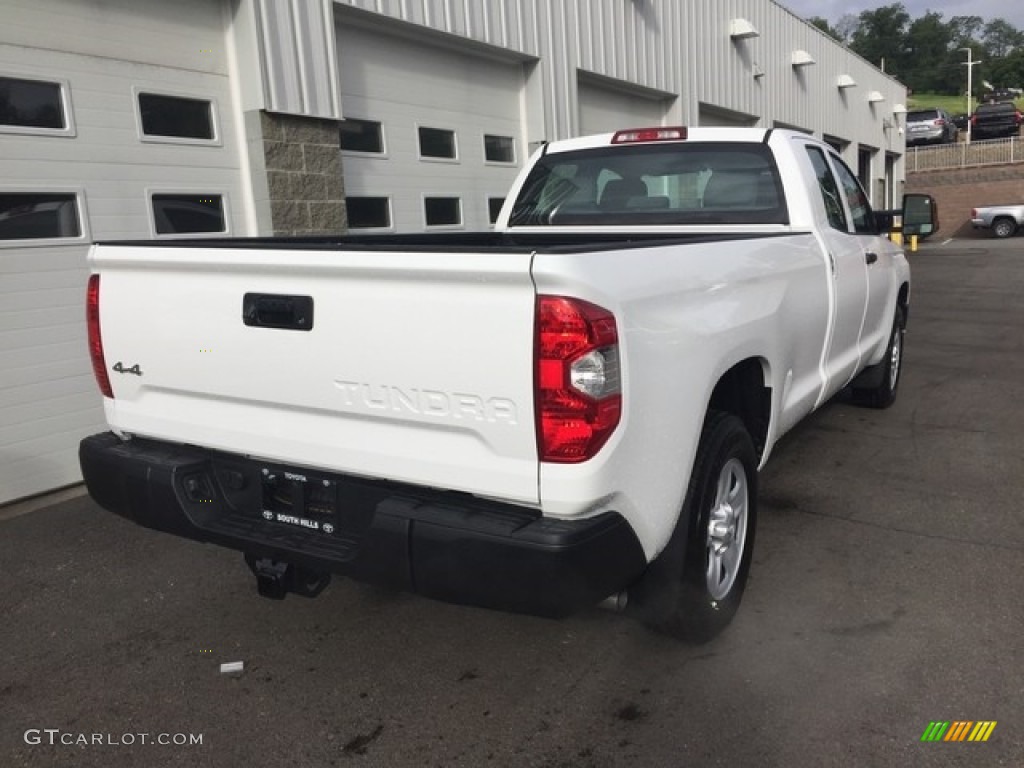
(276,578)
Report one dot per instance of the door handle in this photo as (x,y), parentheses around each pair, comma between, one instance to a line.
(271,310)
(871,257)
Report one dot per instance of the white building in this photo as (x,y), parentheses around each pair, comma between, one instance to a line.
(143,118)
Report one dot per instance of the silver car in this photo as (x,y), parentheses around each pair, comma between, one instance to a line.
(930,126)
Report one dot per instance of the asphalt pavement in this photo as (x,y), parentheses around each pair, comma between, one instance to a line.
(885,595)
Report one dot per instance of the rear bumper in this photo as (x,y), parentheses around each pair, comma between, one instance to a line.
(994,131)
(441,545)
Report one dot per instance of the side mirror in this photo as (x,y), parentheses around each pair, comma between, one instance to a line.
(920,215)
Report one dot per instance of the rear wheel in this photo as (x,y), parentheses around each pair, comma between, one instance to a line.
(693,589)
(1004,227)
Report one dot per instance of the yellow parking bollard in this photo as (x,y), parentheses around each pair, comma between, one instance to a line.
(896,237)
(913,243)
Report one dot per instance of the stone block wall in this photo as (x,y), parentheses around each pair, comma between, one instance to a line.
(304,175)
(957,191)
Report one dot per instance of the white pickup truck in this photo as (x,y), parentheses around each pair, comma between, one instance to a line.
(571,408)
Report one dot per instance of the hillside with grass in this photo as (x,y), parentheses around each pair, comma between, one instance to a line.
(955,105)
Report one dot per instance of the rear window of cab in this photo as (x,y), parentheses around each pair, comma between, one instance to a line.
(669,183)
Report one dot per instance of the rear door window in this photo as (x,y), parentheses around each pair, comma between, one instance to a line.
(856,199)
(829,190)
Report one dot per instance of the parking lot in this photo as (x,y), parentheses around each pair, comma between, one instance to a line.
(885,594)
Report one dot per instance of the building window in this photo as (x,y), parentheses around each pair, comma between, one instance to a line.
(176,117)
(494,207)
(499,149)
(34,106)
(437,143)
(39,215)
(180,214)
(361,136)
(442,211)
(368,212)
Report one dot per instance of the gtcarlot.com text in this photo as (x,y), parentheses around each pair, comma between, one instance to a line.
(57,737)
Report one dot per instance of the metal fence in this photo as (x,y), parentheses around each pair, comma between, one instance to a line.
(964,155)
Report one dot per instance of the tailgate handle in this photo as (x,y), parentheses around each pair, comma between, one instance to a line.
(273,310)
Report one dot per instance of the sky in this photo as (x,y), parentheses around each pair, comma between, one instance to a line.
(1009,10)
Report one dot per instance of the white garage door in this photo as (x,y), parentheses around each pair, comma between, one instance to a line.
(710,115)
(433,135)
(92,147)
(604,109)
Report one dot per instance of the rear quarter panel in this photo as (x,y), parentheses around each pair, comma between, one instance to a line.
(687,314)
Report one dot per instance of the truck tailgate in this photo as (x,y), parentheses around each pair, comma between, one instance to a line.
(414,367)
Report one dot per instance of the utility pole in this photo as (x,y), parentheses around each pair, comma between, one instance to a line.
(970,64)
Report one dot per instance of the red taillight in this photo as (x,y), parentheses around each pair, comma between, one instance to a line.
(641,135)
(974,213)
(974,119)
(578,398)
(92,316)
(940,121)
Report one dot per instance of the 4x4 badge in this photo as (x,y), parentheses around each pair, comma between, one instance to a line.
(119,367)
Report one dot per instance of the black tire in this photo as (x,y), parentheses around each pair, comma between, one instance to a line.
(1004,227)
(692,590)
(887,372)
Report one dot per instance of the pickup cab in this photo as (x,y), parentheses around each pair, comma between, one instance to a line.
(1003,220)
(571,409)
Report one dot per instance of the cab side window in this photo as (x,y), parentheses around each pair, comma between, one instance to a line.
(856,199)
(830,194)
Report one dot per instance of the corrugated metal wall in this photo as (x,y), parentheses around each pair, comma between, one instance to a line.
(299,58)
(623,39)
(678,47)
(679,52)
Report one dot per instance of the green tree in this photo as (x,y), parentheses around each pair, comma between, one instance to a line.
(1001,38)
(1008,72)
(929,41)
(825,27)
(846,26)
(966,30)
(881,37)
(927,53)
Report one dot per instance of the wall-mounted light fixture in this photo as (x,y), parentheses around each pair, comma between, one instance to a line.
(898,111)
(845,81)
(875,96)
(801,59)
(741,29)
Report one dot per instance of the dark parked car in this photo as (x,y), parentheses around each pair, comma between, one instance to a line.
(992,121)
(930,126)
